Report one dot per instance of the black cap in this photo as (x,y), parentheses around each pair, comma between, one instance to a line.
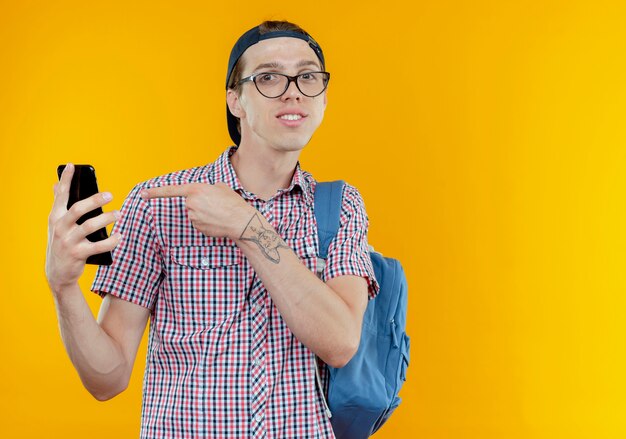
(248,39)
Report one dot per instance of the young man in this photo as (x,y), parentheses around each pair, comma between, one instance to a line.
(221,258)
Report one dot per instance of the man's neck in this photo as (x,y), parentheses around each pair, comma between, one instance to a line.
(264,172)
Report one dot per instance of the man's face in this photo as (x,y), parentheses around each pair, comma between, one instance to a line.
(269,122)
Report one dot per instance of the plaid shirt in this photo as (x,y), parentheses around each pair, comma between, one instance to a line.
(221,361)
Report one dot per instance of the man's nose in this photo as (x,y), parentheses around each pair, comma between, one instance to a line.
(292,92)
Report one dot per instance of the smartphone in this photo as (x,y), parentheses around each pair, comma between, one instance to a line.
(83,186)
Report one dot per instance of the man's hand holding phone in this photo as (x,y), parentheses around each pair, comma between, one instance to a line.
(68,246)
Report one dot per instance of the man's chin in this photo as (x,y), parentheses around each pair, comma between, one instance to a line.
(294,144)
(292,148)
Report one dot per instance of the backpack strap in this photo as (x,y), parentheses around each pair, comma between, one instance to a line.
(328,197)
(327,208)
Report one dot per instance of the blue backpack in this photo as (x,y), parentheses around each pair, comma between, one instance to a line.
(364,393)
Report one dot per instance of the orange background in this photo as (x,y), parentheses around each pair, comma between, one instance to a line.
(486,137)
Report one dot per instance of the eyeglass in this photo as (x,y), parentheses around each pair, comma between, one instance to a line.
(274,85)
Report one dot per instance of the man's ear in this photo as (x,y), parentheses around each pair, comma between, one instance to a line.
(234,104)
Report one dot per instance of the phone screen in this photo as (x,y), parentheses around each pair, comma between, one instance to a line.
(83,186)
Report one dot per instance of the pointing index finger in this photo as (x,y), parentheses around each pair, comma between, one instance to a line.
(164,192)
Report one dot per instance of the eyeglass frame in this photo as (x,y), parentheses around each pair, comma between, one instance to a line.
(290,79)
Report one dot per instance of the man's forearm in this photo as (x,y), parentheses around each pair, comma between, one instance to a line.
(95,355)
(313,311)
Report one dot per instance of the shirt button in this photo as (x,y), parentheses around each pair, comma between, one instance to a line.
(204,262)
(257,307)
(258,418)
(310,249)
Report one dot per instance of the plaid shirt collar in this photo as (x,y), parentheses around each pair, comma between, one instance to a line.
(223,171)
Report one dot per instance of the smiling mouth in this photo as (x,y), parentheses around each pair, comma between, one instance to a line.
(290,117)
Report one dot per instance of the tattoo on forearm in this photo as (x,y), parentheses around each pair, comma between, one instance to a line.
(268,241)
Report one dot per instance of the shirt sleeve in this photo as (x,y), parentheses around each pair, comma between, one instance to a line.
(135,274)
(348,253)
